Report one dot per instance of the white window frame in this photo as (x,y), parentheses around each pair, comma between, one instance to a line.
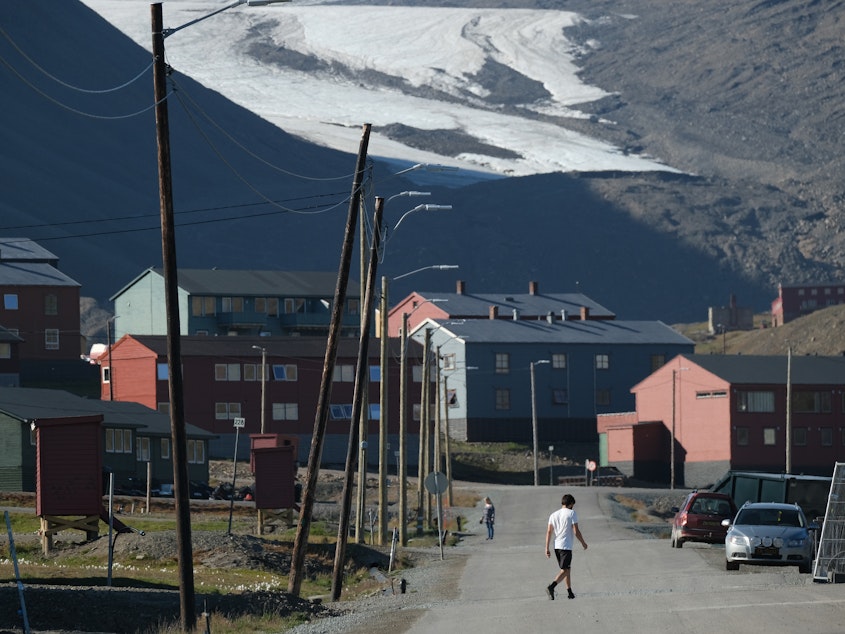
(51,338)
(285,411)
(143,449)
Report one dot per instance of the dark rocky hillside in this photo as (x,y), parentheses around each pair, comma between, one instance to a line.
(745,97)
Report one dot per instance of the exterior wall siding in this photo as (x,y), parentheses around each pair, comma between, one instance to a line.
(31,322)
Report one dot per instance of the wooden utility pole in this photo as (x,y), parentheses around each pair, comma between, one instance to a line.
(300,544)
(425,438)
(361,383)
(403,433)
(383,414)
(788,469)
(178,435)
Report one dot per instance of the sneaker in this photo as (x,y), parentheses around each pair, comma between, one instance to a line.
(551,592)
(571,594)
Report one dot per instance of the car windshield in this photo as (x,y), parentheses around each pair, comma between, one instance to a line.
(769,517)
(711,506)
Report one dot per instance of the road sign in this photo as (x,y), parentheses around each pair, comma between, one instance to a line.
(240,423)
(436,482)
(591,465)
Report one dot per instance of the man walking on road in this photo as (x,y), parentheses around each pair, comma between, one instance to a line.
(563,524)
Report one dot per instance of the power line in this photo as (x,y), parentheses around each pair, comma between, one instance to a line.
(223,131)
(65,84)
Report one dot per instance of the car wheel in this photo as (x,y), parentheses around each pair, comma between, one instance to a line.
(731,565)
(805,568)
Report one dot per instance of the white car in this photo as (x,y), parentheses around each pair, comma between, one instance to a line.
(769,533)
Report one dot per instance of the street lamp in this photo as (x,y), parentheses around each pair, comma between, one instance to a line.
(534,423)
(263,385)
(551,464)
(171,287)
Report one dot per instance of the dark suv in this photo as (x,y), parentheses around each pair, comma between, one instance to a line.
(699,519)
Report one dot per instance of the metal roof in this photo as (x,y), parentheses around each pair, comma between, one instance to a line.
(570,332)
(33,274)
(24,249)
(772,370)
(307,347)
(28,404)
(289,283)
(537,305)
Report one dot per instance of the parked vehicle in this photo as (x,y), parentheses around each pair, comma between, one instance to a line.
(769,533)
(699,518)
(200,490)
(165,490)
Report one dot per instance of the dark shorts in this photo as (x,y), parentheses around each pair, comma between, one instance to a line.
(564,558)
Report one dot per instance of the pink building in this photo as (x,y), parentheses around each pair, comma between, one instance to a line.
(729,412)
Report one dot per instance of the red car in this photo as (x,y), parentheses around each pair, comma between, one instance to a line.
(699,519)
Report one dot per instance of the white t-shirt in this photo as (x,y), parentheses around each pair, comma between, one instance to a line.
(562,522)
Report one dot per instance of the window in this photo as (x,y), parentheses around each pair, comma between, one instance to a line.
(161,372)
(503,398)
(285,372)
(799,436)
(10,301)
(742,436)
(353,306)
(260,305)
(502,363)
(769,436)
(118,440)
(603,397)
(227,372)
(449,361)
(51,305)
(713,394)
(416,373)
(51,339)
(165,448)
(375,411)
(755,401)
(202,306)
(452,398)
(285,411)
(252,372)
(227,411)
(341,412)
(560,396)
(657,361)
(273,306)
(232,305)
(5,351)
(344,374)
(375,374)
(602,362)
(163,408)
(294,305)
(559,361)
(417,409)
(811,402)
(106,374)
(196,451)
(826,437)
(143,453)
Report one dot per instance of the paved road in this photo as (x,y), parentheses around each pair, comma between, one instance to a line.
(625,581)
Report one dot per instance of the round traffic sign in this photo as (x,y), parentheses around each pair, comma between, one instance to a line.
(436,482)
(591,465)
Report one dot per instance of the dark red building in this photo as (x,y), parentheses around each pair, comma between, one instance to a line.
(223,381)
(802,299)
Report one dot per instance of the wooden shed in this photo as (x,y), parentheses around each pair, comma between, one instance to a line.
(69,466)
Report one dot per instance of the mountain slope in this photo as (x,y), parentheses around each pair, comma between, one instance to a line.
(745,97)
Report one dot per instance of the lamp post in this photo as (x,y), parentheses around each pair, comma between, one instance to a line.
(263,385)
(534,423)
(174,352)
(551,464)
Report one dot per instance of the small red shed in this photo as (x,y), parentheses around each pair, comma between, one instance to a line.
(275,470)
